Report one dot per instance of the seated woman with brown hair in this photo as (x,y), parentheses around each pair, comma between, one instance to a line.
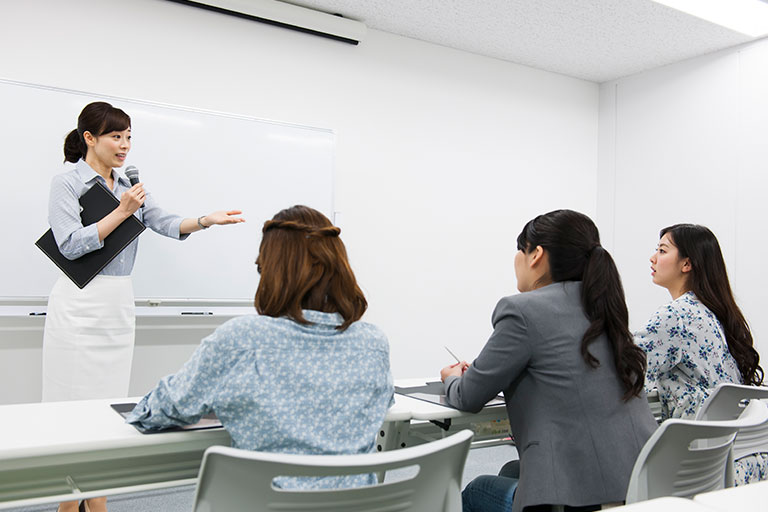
(304,375)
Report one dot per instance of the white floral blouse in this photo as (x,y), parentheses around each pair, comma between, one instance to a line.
(687,357)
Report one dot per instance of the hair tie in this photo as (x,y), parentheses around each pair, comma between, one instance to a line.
(592,250)
(328,231)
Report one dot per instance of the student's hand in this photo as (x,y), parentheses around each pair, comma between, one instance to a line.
(222,217)
(455,370)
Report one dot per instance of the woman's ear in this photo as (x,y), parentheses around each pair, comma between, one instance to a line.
(536,256)
(90,140)
(686,267)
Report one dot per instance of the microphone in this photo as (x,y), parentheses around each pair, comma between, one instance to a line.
(133,175)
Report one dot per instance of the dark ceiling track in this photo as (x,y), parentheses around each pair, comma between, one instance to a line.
(268,21)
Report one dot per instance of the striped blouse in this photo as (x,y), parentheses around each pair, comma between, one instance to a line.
(74,239)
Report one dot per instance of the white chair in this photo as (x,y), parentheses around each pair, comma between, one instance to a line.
(233,480)
(687,457)
(726,403)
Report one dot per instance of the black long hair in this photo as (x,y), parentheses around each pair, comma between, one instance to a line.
(97,118)
(572,242)
(708,280)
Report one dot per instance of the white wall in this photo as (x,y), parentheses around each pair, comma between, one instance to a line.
(687,143)
(441,155)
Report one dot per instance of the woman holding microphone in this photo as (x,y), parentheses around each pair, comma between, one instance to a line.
(89,333)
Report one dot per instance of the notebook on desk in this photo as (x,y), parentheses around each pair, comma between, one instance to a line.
(435,392)
(206,422)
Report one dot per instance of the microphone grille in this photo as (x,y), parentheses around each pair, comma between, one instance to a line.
(131,172)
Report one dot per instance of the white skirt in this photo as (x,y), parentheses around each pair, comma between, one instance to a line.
(88,339)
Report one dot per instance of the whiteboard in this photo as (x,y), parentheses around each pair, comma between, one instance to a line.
(193,162)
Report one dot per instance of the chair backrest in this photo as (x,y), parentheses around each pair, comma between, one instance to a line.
(672,464)
(726,403)
(687,457)
(233,480)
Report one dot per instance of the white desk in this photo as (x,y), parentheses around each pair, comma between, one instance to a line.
(747,498)
(54,451)
(411,422)
(667,504)
(58,451)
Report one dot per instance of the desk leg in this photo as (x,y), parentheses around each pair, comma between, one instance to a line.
(391,437)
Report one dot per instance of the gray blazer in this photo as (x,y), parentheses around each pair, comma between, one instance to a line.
(577,439)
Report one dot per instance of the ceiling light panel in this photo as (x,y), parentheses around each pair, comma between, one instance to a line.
(746,16)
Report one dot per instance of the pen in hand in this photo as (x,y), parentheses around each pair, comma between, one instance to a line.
(452,354)
(452,369)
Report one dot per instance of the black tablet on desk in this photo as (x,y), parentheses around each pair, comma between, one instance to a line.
(435,392)
(206,422)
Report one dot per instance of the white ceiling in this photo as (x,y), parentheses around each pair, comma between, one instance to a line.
(596,40)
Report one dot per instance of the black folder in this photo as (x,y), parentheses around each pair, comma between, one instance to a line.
(206,422)
(435,392)
(96,203)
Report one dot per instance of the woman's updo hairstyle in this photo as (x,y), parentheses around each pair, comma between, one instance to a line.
(97,118)
(303,265)
(572,242)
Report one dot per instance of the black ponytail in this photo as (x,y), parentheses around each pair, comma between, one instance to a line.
(575,254)
(97,118)
(602,296)
(74,147)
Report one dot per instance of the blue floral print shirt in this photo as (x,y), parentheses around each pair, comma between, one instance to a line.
(687,355)
(280,386)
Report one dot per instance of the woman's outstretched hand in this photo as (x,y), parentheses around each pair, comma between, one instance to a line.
(222,217)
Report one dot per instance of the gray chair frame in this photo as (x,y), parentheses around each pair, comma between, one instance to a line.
(233,480)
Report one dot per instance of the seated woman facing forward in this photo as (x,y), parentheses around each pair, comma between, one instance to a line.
(572,377)
(304,376)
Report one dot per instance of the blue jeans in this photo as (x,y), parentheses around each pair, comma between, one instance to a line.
(489,493)
(492,493)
